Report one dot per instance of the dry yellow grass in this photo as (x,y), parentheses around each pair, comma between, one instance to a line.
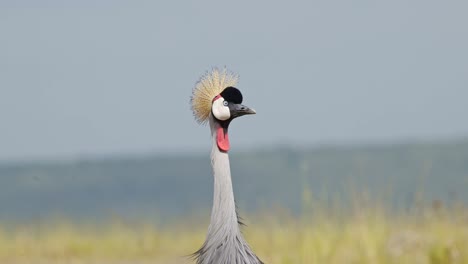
(368,235)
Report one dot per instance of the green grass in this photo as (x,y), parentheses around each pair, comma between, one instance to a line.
(365,235)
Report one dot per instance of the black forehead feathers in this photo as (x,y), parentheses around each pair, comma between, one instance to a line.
(232,94)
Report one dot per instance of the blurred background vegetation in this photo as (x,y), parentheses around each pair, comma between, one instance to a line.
(402,203)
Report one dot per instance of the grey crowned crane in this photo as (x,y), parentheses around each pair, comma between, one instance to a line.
(216,100)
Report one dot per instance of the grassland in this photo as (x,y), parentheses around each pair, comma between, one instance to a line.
(367,234)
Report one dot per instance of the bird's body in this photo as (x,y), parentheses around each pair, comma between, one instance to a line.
(224,242)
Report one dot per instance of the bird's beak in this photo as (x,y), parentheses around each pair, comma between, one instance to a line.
(240,110)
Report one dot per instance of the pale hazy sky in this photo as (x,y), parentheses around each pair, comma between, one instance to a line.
(114,77)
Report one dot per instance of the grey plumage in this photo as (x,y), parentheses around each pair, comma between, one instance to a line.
(224,242)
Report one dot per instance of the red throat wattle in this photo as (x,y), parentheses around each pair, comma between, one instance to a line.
(222,139)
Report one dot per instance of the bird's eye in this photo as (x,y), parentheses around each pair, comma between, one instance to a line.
(225,103)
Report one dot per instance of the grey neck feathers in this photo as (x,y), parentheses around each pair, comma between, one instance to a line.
(224,242)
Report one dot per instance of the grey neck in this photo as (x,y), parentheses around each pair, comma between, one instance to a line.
(223,214)
(224,243)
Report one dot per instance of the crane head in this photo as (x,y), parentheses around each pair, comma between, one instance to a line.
(216,95)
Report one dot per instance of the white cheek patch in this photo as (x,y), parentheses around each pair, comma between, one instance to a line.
(220,111)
